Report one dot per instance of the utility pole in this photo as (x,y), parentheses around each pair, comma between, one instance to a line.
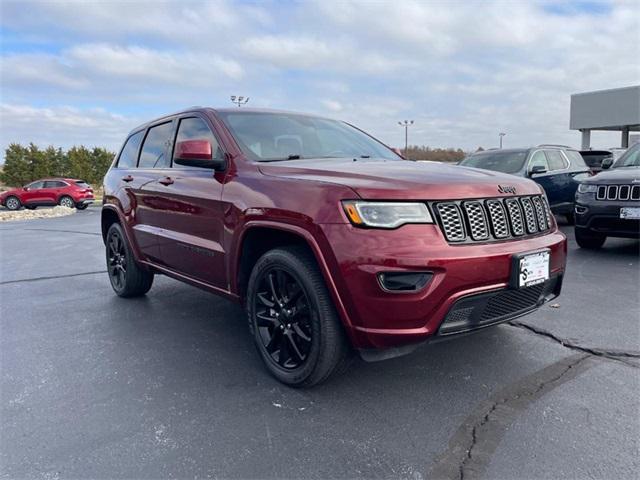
(239,100)
(406,124)
(501,134)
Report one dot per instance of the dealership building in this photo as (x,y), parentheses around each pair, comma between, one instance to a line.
(616,110)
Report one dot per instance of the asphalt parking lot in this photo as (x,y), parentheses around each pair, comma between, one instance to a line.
(94,386)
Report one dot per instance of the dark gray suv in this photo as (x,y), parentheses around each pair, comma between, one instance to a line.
(608,204)
(558,169)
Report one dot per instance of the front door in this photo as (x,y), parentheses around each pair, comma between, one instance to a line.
(33,194)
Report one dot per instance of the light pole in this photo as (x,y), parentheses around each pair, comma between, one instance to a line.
(239,100)
(406,124)
(501,134)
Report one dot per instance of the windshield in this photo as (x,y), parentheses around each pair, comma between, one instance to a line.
(264,136)
(506,162)
(631,158)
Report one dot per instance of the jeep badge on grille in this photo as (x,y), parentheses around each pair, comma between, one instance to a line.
(507,189)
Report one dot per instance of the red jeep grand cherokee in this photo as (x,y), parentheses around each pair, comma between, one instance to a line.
(68,192)
(329,238)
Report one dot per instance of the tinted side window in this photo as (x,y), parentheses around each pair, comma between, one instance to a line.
(154,148)
(129,156)
(54,184)
(577,160)
(35,185)
(196,129)
(538,159)
(556,160)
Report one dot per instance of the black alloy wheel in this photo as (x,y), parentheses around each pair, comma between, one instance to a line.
(117,260)
(294,323)
(128,279)
(282,313)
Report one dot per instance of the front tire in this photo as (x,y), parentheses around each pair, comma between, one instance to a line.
(589,240)
(127,278)
(67,201)
(12,203)
(293,320)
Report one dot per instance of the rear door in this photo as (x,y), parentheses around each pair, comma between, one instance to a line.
(51,191)
(188,206)
(130,181)
(153,160)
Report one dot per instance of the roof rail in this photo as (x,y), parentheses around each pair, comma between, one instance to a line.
(553,145)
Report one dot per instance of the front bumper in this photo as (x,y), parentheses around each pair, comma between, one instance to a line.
(375,318)
(603,216)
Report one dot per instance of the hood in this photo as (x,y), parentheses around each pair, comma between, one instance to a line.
(402,179)
(619,175)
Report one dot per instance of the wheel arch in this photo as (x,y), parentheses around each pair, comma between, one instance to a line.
(258,237)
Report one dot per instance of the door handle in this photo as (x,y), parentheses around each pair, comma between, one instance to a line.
(128,178)
(166,181)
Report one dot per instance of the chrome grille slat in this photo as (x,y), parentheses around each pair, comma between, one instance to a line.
(529,215)
(478,227)
(618,192)
(540,214)
(515,216)
(464,221)
(498,219)
(452,223)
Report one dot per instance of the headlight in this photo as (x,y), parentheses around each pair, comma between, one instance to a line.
(386,214)
(587,188)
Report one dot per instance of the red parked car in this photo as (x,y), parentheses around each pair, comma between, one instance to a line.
(67,192)
(331,240)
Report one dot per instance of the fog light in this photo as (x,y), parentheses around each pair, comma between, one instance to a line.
(404,281)
(580,210)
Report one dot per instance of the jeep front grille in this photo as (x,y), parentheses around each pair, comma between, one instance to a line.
(618,192)
(492,219)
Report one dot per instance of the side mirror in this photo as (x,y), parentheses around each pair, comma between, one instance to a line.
(606,163)
(537,170)
(398,152)
(26,189)
(196,153)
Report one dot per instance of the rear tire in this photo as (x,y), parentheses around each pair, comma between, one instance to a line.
(12,203)
(588,239)
(127,278)
(66,201)
(294,323)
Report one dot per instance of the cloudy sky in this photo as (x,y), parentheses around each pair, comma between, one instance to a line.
(87,72)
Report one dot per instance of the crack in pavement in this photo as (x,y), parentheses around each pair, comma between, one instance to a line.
(53,277)
(617,355)
(472,446)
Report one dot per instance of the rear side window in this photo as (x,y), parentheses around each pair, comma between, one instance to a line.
(154,148)
(578,160)
(129,155)
(556,160)
(54,184)
(197,129)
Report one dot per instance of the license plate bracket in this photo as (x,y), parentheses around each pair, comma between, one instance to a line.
(630,213)
(530,268)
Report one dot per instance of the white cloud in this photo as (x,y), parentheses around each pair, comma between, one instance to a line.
(63,126)
(462,70)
